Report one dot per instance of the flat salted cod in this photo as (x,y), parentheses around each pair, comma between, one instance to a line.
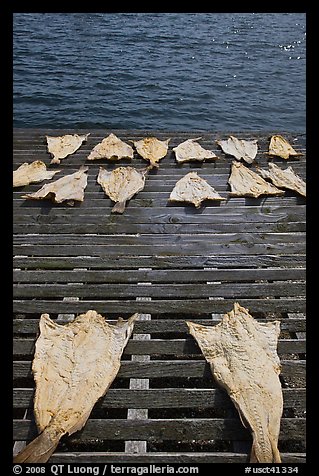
(68,188)
(62,146)
(246,183)
(152,149)
(280,147)
(73,366)
(191,150)
(243,359)
(240,149)
(193,189)
(121,184)
(32,173)
(285,178)
(111,148)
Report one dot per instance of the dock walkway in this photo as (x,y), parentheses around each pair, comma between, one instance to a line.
(171,263)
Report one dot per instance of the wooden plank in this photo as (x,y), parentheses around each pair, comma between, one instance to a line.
(165,369)
(189,307)
(165,347)
(99,291)
(167,398)
(166,429)
(166,458)
(244,238)
(30,326)
(222,261)
(157,276)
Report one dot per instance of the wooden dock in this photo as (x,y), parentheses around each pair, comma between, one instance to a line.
(170,263)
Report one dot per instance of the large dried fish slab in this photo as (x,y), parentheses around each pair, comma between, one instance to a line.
(32,173)
(73,366)
(111,148)
(243,359)
(193,189)
(121,184)
(152,149)
(284,178)
(240,149)
(190,150)
(62,146)
(280,147)
(69,188)
(246,183)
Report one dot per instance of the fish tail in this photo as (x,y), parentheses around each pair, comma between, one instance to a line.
(40,449)
(119,207)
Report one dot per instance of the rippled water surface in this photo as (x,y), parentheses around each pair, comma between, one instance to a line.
(178,71)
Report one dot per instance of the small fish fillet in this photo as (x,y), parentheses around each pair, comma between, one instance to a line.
(285,178)
(191,150)
(32,173)
(73,366)
(152,149)
(111,148)
(246,183)
(68,188)
(240,149)
(62,146)
(280,147)
(193,189)
(243,359)
(121,184)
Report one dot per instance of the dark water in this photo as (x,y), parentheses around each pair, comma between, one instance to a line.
(178,71)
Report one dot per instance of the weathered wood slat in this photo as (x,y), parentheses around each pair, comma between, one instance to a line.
(170,239)
(166,458)
(158,276)
(222,261)
(166,398)
(162,369)
(165,347)
(164,306)
(165,429)
(156,326)
(100,291)
(246,248)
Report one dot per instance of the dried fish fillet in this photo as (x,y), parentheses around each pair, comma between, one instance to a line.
(280,147)
(62,146)
(152,149)
(69,188)
(285,178)
(243,359)
(240,149)
(246,183)
(73,366)
(191,150)
(193,189)
(121,184)
(32,173)
(111,148)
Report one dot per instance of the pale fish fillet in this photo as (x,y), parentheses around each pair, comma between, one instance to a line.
(111,148)
(69,188)
(62,146)
(121,184)
(191,150)
(240,149)
(193,189)
(285,178)
(246,183)
(280,147)
(73,366)
(32,173)
(152,149)
(243,359)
